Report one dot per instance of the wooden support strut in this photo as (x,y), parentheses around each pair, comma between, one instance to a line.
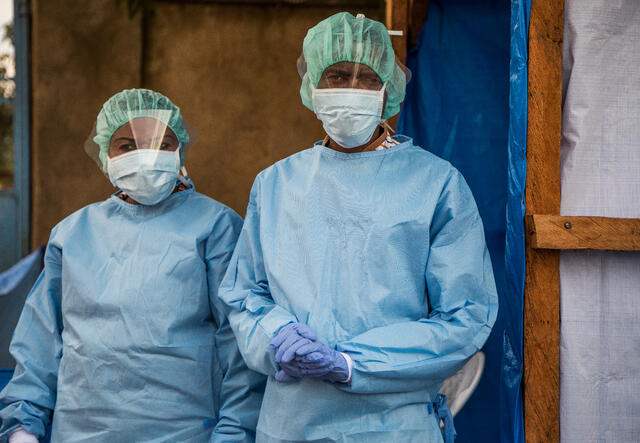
(398,20)
(407,16)
(542,191)
(603,233)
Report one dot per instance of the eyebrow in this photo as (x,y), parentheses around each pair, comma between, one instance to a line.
(339,71)
(170,136)
(368,75)
(127,139)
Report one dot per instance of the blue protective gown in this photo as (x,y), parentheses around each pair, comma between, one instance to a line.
(123,335)
(383,254)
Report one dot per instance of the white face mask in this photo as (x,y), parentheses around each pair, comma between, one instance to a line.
(349,116)
(146,175)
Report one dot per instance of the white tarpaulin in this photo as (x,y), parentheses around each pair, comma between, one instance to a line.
(600,291)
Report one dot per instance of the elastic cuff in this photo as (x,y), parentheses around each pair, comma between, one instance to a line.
(22,436)
(347,357)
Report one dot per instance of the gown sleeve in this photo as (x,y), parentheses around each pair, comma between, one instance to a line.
(242,389)
(30,396)
(463,305)
(254,316)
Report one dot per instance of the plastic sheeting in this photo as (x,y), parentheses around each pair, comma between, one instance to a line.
(15,284)
(599,291)
(467,103)
(5,378)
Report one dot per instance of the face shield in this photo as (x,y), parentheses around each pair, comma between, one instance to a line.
(350,99)
(143,130)
(349,75)
(347,52)
(143,151)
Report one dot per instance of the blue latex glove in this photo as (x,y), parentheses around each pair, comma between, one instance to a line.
(317,360)
(291,337)
(296,369)
(288,339)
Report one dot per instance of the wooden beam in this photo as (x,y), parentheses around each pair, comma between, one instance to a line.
(542,281)
(603,233)
(350,4)
(397,19)
(407,16)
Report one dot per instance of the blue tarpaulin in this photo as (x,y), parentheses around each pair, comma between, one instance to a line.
(5,376)
(467,103)
(15,284)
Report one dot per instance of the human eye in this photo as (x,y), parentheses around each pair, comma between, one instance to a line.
(333,76)
(126,147)
(341,79)
(370,82)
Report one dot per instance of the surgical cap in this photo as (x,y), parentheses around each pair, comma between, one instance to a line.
(134,103)
(345,38)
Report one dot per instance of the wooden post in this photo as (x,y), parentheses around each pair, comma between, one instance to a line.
(398,20)
(407,16)
(542,282)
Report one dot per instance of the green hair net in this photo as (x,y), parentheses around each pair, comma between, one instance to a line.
(134,103)
(345,38)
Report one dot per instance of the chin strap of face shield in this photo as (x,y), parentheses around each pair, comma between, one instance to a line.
(443,413)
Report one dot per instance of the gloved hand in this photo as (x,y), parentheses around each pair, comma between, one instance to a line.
(289,338)
(317,360)
(22,436)
(295,370)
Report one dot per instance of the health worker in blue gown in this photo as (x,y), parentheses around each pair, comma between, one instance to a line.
(361,278)
(123,337)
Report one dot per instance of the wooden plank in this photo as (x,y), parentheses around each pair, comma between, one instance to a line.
(348,4)
(542,287)
(603,233)
(397,19)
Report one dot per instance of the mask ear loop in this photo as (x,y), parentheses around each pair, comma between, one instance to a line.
(383,121)
(385,124)
(183,171)
(182,175)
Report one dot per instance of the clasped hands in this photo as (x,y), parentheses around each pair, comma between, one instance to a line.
(300,355)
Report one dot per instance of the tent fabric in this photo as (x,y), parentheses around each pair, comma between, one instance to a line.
(600,176)
(15,284)
(467,103)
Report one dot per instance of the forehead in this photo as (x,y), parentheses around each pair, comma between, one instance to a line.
(351,67)
(143,126)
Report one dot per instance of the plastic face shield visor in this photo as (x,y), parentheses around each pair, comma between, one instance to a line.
(144,129)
